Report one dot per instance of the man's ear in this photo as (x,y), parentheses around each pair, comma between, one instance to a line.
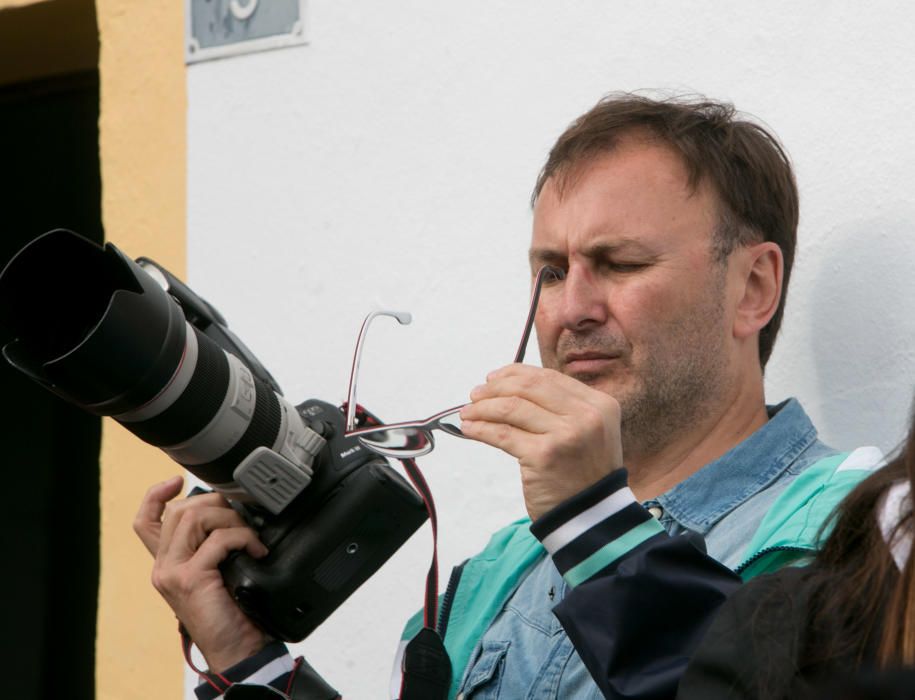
(761,270)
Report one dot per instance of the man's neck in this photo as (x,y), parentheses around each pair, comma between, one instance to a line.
(653,472)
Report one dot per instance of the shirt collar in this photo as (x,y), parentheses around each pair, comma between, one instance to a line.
(702,499)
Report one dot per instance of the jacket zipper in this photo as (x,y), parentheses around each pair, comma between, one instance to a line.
(768,550)
(444,610)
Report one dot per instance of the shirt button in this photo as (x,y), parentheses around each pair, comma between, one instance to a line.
(656,512)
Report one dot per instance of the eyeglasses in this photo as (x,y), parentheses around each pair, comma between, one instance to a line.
(409,439)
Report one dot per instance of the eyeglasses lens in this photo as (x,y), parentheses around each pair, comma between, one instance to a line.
(398,442)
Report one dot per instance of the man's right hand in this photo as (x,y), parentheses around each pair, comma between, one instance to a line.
(564,434)
(189,538)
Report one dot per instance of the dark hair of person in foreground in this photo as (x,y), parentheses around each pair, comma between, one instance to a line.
(843,627)
(857,584)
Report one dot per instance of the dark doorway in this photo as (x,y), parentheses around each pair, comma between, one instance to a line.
(51,179)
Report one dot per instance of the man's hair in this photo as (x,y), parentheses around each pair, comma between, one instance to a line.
(742,161)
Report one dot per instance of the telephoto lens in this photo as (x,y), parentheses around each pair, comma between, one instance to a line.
(124,339)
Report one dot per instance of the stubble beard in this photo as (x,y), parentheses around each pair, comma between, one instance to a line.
(680,381)
(674,394)
(665,388)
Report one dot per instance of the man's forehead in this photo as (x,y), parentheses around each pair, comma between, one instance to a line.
(627,200)
(665,160)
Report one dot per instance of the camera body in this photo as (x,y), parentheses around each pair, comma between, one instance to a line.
(126,339)
(356,512)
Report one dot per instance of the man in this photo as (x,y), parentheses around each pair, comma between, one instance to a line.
(675,224)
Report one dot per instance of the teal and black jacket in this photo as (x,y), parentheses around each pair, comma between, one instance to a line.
(640,599)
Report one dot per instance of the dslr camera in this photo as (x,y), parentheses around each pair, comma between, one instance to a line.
(126,339)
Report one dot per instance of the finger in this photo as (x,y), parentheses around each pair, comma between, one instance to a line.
(176,510)
(507,438)
(549,389)
(217,546)
(511,410)
(193,528)
(539,376)
(148,521)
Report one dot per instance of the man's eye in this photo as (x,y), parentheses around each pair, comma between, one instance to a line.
(624,266)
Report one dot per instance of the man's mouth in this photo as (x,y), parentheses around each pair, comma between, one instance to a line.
(588,362)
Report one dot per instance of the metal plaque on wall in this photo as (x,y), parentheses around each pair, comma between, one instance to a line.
(218,28)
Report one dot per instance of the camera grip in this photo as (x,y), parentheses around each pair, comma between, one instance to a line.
(328,554)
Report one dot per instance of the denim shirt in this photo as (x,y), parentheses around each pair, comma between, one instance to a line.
(525,653)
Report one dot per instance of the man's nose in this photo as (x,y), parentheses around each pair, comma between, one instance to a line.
(584,302)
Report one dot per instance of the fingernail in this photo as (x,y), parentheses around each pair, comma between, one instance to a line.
(476,391)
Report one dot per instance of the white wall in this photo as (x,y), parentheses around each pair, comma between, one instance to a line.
(389,164)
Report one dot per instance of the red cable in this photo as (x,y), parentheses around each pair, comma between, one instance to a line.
(186,648)
(430,604)
(295,668)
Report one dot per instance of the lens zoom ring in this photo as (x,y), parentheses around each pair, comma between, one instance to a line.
(262,431)
(198,403)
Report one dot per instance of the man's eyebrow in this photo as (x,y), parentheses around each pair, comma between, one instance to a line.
(539,257)
(602,249)
(598,249)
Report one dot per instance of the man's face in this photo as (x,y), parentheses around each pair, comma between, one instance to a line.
(641,312)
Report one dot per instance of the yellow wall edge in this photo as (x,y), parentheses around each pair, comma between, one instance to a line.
(142,144)
(142,141)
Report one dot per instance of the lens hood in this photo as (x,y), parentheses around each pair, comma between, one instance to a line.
(89,323)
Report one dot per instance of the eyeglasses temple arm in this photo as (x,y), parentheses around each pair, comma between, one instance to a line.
(403,318)
(556,273)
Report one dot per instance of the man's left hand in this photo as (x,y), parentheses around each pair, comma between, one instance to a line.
(564,434)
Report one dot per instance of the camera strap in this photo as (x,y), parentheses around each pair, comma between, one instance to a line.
(426,667)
